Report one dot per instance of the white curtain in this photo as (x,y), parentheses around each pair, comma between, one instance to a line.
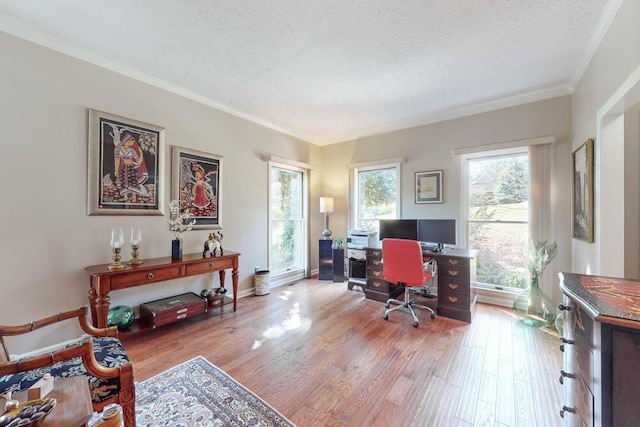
(541,204)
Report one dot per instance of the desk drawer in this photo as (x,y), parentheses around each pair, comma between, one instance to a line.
(122,281)
(455,273)
(378,285)
(448,261)
(375,263)
(374,273)
(458,301)
(211,264)
(374,253)
(448,286)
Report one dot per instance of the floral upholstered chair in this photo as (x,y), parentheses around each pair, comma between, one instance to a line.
(99,356)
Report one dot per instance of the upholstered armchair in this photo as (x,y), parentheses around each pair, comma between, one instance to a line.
(99,356)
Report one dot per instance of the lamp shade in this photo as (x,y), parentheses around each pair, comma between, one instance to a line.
(326,204)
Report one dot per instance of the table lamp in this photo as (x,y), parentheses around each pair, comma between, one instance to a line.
(326,206)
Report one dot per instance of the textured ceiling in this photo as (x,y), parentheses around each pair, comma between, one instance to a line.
(332,70)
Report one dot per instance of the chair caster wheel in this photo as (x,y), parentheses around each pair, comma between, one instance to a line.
(387,305)
(385,316)
(415,324)
(433,316)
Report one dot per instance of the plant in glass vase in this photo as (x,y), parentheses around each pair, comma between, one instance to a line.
(534,308)
(179,222)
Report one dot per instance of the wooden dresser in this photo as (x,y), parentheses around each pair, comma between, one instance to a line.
(456,272)
(601,345)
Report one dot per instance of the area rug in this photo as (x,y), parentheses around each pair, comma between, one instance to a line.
(198,393)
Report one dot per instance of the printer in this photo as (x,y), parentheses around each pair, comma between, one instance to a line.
(357,241)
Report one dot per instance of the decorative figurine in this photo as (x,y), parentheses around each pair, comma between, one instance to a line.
(213,244)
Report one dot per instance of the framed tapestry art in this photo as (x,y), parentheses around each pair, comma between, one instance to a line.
(583,192)
(125,166)
(429,187)
(196,180)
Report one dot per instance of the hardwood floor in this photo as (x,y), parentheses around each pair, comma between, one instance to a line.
(323,356)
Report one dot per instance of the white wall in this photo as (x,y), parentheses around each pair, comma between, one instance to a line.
(631,186)
(47,237)
(429,147)
(615,60)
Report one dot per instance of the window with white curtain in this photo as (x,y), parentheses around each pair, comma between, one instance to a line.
(497,216)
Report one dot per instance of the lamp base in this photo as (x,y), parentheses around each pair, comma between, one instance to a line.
(326,234)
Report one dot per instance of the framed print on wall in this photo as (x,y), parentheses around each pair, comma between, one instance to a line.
(429,187)
(583,192)
(196,180)
(125,166)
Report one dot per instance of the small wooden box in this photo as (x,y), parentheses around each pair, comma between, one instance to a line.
(172,309)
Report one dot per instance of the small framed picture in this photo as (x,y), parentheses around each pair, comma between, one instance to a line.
(196,181)
(125,166)
(429,187)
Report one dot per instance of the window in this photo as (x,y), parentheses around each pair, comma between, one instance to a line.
(377,195)
(288,244)
(498,217)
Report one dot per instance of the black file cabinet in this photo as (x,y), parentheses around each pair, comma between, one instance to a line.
(325,268)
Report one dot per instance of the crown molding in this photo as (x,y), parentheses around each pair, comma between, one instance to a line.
(605,21)
(470,110)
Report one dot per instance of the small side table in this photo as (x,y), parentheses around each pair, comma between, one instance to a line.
(74,407)
(325,268)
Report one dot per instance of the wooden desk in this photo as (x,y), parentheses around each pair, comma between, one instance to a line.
(456,271)
(74,407)
(154,270)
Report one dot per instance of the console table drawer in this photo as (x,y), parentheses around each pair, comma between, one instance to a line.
(122,281)
(211,265)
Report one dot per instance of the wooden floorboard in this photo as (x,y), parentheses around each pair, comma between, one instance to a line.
(323,356)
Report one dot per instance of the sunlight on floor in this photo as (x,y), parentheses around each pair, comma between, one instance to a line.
(293,321)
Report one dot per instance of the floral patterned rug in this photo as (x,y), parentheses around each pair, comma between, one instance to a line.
(197,393)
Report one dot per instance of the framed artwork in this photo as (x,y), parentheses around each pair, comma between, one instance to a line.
(125,166)
(583,192)
(196,180)
(429,187)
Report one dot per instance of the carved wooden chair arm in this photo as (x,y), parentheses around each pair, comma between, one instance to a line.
(80,313)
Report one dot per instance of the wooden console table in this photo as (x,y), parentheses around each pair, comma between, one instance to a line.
(154,270)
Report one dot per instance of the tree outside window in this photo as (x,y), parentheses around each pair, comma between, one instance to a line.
(498,222)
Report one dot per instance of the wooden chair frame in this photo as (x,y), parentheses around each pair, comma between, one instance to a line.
(126,396)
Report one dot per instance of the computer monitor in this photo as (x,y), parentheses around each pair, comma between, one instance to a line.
(437,231)
(399,229)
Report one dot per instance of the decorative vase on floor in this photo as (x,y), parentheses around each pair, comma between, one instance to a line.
(176,249)
(534,308)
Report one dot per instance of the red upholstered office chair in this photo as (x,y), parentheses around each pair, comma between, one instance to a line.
(402,264)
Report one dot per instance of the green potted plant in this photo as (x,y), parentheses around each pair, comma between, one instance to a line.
(338,259)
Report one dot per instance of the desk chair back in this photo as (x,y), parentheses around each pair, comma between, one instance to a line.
(402,262)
